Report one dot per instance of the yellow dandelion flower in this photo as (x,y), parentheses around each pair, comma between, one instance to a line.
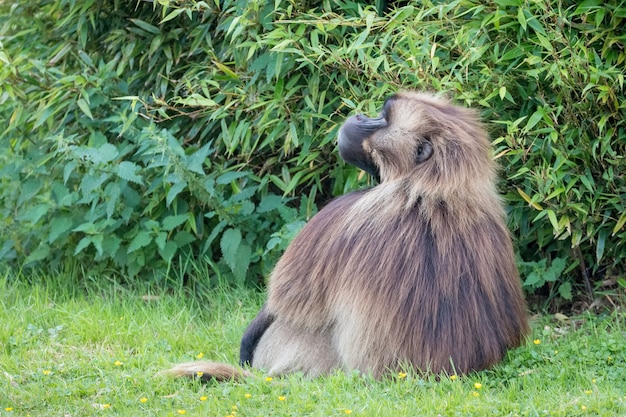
(269,379)
(453,377)
(105,406)
(401,375)
(537,341)
(199,374)
(8,409)
(593,380)
(475,394)
(117,363)
(203,398)
(46,372)
(588,391)
(200,355)
(143,400)
(182,411)
(281,398)
(247,395)
(583,407)
(347,411)
(478,385)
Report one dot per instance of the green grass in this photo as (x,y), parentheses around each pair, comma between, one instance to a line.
(96,349)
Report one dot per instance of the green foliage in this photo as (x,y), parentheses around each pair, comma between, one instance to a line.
(138,134)
(538,274)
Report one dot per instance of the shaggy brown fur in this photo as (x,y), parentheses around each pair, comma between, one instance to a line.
(417,271)
(207,371)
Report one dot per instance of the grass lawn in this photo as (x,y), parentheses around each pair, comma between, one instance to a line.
(69,349)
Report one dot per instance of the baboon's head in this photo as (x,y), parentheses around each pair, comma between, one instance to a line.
(419,136)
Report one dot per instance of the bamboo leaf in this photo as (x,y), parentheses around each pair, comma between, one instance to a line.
(620,223)
(600,245)
(146,26)
(529,200)
(173,14)
(84,107)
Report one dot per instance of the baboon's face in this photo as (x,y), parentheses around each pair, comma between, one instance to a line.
(394,139)
(414,134)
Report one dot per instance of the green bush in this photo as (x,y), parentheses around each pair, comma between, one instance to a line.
(137,134)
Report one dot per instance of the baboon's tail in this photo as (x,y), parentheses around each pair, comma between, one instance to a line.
(209,371)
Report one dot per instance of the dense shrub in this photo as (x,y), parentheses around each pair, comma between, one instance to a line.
(137,134)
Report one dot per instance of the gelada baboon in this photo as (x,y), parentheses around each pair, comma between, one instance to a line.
(417,271)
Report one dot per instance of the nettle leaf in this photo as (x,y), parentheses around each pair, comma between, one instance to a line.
(29,189)
(183,238)
(176,189)
(87,227)
(228,177)
(110,245)
(112,193)
(195,161)
(85,153)
(106,153)
(34,214)
(59,226)
(7,251)
(270,202)
(127,170)
(173,144)
(554,271)
(38,254)
(168,251)
(245,208)
(161,240)
(68,169)
(533,280)
(142,239)
(172,222)
(91,185)
(216,231)
(558,265)
(84,242)
(231,239)
(97,243)
(273,243)
(565,290)
(242,263)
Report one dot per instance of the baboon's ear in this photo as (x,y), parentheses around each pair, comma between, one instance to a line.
(424,151)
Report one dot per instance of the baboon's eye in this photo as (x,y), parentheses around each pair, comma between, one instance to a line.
(424,151)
